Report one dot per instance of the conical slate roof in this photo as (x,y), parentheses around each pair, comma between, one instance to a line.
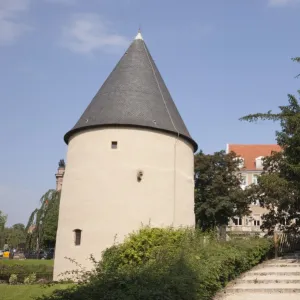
(134,95)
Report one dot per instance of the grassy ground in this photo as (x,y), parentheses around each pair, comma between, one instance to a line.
(26,292)
(26,262)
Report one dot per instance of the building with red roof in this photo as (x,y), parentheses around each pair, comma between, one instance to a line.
(251,167)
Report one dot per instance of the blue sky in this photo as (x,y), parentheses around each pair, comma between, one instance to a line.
(220,59)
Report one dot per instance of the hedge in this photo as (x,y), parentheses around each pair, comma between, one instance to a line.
(167,264)
(42,271)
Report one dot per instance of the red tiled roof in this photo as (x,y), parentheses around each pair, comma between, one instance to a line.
(250,152)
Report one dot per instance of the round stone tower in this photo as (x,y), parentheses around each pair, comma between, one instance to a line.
(130,162)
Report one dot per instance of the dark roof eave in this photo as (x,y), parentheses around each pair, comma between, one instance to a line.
(70,133)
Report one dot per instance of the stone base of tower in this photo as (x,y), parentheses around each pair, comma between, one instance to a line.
(117,179)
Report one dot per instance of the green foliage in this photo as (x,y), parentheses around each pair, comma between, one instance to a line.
(141,246)
(3,219)
(218,193)
(44,221)
(13,279)
(193,267)
(24,269)
(278,188)
(14,236)
(50,221)
(31,279)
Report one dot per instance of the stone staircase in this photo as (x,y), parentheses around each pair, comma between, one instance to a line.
(277,279)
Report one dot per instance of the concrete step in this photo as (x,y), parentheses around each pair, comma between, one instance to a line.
(283,264)
(265,291)
(269,287)
(270,277)
(258,280)
(267,268)
(254,288)
(271,273)
(276,279)
(259,296)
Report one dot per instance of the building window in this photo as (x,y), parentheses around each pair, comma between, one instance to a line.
(77,233)
(238,221)
(255,179)
(114,145)
(259,162)
(243,180)
(256,220)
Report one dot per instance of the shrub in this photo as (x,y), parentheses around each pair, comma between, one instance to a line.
(22,270)
(31,279)
(13,279)
(142,246)
(158,266)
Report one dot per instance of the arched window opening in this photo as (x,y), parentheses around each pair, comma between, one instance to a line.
(77,233)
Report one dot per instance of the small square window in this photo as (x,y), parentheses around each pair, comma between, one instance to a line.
(114,145)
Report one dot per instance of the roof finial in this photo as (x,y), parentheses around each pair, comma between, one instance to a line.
(139,35)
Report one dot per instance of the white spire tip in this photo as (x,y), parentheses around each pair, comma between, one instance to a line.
(139,36)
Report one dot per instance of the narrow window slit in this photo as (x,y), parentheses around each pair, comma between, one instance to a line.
(77,233)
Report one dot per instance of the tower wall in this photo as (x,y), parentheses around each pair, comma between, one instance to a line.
(102,197)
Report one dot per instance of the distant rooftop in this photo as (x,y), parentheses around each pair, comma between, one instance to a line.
(249,152)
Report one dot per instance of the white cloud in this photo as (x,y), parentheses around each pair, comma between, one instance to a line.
(280,3)
(11,28)
(87,33)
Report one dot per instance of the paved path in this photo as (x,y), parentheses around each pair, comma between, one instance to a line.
(277,279)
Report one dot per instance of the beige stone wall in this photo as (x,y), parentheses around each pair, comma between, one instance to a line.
(102,197)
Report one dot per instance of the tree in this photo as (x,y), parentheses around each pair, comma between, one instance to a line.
(15,235)
(218,193)
(19,226)
(50,221)
(278,188)
(42,224)
(3,219)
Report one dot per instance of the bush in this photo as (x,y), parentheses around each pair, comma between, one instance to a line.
(13,279)
(168,264)
(142,246)
(31,279)
(23,271)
